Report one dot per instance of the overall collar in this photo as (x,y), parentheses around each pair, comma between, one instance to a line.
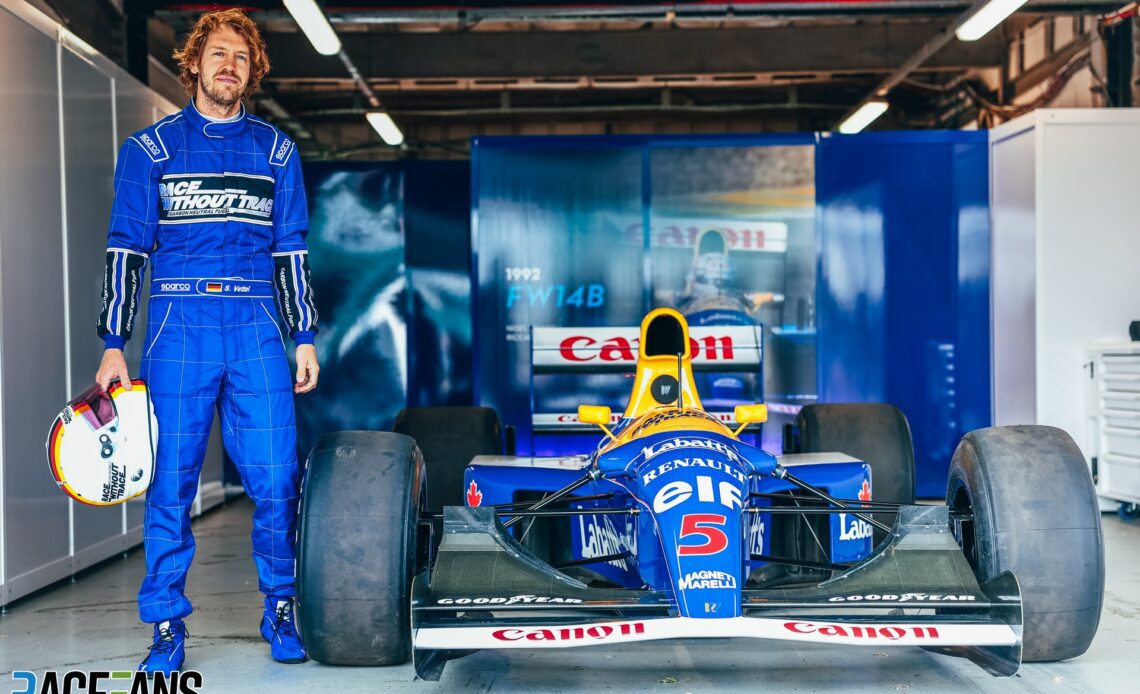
(209,128)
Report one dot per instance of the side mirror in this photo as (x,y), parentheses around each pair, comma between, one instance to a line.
(747,414)
(595,414)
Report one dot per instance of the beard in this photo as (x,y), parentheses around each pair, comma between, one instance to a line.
(220,94)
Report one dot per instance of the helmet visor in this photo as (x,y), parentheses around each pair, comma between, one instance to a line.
(95,406)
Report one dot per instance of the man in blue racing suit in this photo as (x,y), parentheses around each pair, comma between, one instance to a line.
(212,199)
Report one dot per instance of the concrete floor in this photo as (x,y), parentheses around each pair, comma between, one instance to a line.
(92,624)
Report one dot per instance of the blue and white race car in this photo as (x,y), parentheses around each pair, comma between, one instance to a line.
(675,527)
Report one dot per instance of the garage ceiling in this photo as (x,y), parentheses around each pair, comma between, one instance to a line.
(449,71)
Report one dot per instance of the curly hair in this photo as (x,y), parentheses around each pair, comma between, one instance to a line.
(191,52)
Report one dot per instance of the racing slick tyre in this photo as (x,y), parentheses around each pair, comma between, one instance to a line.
(875,433)
(1021,499)
(357,547)
(449,438)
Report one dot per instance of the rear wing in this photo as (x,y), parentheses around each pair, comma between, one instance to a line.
(614,350)
(733,348)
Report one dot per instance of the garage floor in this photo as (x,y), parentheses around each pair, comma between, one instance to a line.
(92,624)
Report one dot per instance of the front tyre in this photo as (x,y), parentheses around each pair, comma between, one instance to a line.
(1021,499)
(357,547)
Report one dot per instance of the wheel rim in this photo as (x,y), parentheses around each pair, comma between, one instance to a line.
(962,525)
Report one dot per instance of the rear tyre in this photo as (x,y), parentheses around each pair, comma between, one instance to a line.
(357,547)
(1021,499)
(449,438)
(877,434)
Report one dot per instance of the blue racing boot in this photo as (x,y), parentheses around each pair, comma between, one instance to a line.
(168,651)
(279,630)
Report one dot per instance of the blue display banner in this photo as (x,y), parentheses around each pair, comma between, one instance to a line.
(390,254)
(356,252)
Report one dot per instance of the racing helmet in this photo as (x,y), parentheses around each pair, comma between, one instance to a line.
(712,269)
(102,445)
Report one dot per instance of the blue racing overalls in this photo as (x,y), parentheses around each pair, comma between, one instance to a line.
(218,209)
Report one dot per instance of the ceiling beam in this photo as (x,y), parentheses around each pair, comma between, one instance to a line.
(792,49)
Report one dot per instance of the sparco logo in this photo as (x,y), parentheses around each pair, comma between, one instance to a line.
(580,348)
(174,286)
(852,631)
(282,149)
(599,632)
(150,144)
(513,600)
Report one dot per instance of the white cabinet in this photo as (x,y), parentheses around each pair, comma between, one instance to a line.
(1063,276)
(1113,404)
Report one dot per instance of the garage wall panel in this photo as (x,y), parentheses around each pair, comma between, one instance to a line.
(64,110)
(1014,279)
(36,522)
(89,171)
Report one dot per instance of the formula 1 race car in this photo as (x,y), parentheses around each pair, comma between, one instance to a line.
(674,527)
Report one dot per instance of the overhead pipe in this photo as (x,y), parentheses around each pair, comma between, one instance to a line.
(932,46)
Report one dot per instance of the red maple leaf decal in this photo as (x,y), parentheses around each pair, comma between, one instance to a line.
(474,496)
(864,491)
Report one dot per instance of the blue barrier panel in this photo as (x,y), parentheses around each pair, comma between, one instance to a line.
(903,287)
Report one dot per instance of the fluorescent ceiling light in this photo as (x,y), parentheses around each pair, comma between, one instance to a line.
(315,25)
(864,116)
(387,128)
(991,14)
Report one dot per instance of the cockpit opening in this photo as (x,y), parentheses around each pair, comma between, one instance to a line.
(664,336)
